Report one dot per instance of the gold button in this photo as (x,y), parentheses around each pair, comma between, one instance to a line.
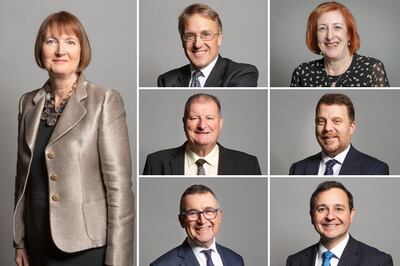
(54,177)
(55,197)
(51,155)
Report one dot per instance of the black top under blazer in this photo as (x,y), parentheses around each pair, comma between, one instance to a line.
(355,253)
(171,162)
(226,73)
(355,163)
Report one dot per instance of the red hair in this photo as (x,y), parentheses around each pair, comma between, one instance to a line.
(311,35)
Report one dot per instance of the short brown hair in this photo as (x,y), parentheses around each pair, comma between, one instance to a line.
(197,97)
(203,10)
(64,22)
(338,99)
(312,27)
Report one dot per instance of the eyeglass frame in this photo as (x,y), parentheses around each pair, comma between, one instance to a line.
(200,34)
(198,213)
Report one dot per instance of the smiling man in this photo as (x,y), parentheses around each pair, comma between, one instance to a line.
(200,29)
(201,154)
(332,212)
(334,126)
(200,215)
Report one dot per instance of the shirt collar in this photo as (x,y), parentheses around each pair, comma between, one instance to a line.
(211,158)
(198,249)
(206,70)
(337,250)
(340,157)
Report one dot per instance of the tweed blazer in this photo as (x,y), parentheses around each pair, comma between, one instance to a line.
(89,171)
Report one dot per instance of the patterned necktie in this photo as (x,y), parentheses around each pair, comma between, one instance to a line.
(329,167)
(207,252)
(200,170)
(327,256)
(195,79)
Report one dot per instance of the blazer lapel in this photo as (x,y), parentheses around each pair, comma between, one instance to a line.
(350,256)
(184,77)
(32,118)
(215,78)
(177,162)
(350,163)
(73,112)
(224,164)
(313,165)
(185,252)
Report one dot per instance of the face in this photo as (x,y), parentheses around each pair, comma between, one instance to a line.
(332,35)
(61,53)
(203,124)
(333,128)
(332,216)
(200,53)
(201,231)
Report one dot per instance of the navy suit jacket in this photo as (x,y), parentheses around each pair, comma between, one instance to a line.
(355,253)
(171,162)
(355,163)
(183,256)
(226,73)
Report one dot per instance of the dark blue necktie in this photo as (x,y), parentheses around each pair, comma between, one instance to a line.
(207,252)
(327,256)
(195,79)
(329,167)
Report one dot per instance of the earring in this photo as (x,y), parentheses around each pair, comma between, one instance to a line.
(348,43)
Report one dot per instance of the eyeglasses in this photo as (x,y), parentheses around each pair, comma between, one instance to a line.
(193,215)
(205,35)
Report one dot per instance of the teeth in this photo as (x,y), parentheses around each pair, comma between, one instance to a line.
(331,44)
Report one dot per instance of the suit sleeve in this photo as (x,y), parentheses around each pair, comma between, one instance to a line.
(116,169)
(386,261)
(160,81)
(147,167)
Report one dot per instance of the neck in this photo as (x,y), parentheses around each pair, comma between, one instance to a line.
(61,85)
(337,67)
(331,243)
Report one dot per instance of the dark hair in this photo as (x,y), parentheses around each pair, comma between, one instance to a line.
(338,99)
(63,22)
(312,27)
(194,189)
(201,9)
(197,97)
(325,186)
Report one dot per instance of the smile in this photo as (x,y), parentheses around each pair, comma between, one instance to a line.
(332,44)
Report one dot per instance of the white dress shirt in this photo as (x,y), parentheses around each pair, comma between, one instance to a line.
(205,72)
(210,166)
(339,158)
(201,257)
(337,251)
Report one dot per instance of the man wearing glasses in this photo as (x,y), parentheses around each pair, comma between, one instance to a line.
(200,29)
(200,215)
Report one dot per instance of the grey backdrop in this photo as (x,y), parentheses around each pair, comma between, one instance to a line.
(292,126)
(244,222)
(377,24)
(245,126)
(375,222)
(112,33)
(244,37)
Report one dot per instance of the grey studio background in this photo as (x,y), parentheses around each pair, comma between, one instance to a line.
(244,226)
(292,126)
(244,38)
(377,25)
(111,28)
(375,222)
(245,127)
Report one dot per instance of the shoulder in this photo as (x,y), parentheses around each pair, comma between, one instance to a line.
(370,253)
(158,155)
(305,254)
(308,66)
(235,66)
(229,253)
(169,258)
(312,158)
(367,159)
(171,77)
(98,92)
(366,60)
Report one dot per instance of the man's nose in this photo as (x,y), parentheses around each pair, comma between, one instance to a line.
(198,42)
(328,126)
(202,123)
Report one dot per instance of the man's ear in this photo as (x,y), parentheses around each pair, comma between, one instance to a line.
(181,219)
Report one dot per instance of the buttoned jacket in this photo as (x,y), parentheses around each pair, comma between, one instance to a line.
(89,172)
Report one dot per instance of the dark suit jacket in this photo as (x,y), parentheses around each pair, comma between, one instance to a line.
(171,162)
(355,163)
(184,256)
(355,254)
(226,73)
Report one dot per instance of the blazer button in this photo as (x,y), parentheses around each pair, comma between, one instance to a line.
(55,197)
(51,155)
(54,177)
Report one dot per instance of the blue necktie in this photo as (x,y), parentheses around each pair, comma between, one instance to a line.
(327,256)
(329,167)
(195,79)
(207,252)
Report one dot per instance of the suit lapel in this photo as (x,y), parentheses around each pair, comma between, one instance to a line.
(184,77)
(73,112)
(217,73)
(350,163)
(32,118)
(310,256)
(177,161)
(185,252)
(224,163)
(313,165)
(350,256)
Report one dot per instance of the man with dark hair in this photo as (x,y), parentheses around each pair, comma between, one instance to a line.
(201,154)
(332,212)
(200,215)
(334,126)
(200,29)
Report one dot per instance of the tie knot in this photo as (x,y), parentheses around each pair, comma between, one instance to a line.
(197,73)
(207,252)
(327,256)
(200,162)
(331,163)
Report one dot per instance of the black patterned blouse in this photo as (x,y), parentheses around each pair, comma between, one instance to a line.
(363,72)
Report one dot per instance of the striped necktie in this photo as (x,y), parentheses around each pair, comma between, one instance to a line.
(195,79)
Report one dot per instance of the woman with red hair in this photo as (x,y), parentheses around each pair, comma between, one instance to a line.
(332,32)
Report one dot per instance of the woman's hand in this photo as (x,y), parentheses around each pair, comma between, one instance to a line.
(21,257)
